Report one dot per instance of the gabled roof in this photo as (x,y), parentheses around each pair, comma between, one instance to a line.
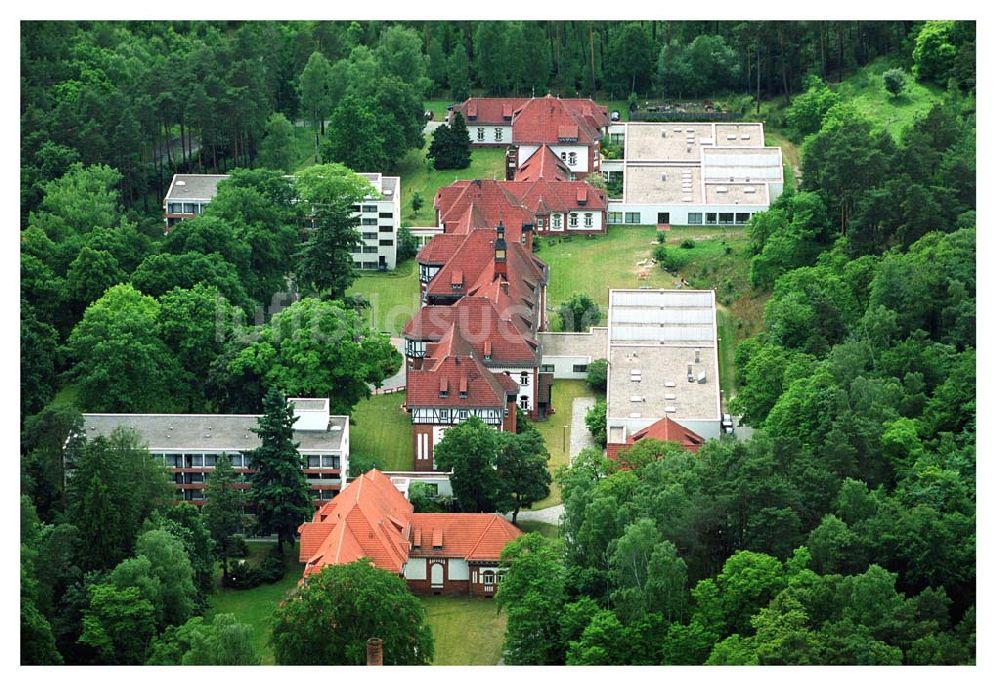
(369,518)
(472,536)
(669,430)
(552,120)
(543,164)
(439,249)
(450,365)
(485,326)
(489,110)
(493,202)
(561,196)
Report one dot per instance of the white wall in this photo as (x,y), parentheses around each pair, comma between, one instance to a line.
(564,366)
(415,569)
(489,133)
(458,569)
(679,212)
(527,390)
(582,151)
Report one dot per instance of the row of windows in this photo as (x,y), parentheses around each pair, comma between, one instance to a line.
(693,218)
(369,221)
(569,158)
(574,220)
(185,208)
(481,134)
(237,460)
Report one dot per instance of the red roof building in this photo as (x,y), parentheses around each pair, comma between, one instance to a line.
(665,430)
(543,164)
(436,553)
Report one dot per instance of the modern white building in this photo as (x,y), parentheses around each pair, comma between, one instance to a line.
(568,355)
(379,218)
(692,173)
(662,361)
(378,215)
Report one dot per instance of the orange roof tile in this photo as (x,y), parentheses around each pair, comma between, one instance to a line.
(472,536)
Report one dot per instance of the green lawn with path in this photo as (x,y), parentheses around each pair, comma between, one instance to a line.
(543,528)
(467,631)
(394,296)
(381,429)
(555,430)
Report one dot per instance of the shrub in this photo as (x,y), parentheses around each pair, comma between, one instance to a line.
(238,546)
(661,237)
(597,375)
(271,570)
(242,575)
(688,243)
(670,258)
(597,422)
(894,81)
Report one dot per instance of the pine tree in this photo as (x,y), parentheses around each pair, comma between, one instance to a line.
(223,509)
(278,486)
(450,146)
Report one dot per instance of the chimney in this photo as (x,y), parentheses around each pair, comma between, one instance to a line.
(375,651)
(500,254)
(527,231)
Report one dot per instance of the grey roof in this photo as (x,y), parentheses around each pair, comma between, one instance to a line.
(213,433)
(593,344)
(194,186)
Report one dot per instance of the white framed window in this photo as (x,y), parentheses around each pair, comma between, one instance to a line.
(497,134)
(557,220)
(573,220)
(524,378)
(631,217)
(480,134)
(588,220)
(444,414)
(489,577)
(524,402)
(614,217)
(540,223)
(572,159)
(562,155)
(694,219)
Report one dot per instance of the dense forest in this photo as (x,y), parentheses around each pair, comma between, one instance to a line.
(843,532)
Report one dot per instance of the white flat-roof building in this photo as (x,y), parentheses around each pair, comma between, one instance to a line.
(662,361)
(378,215)
(693,173)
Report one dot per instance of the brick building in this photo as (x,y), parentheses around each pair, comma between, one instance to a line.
(454,554)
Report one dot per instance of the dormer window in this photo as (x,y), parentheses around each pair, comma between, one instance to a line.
(443,389)
(463,388)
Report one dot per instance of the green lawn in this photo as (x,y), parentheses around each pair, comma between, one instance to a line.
(381,429)
(866,91)
(555,430)
(417,177)
(543,528)
(69,394)
(467,631)
(256,606)
(439,107)
(394,296)
(305,147)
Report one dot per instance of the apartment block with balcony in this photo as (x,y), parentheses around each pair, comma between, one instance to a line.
(378,223)
(190,445)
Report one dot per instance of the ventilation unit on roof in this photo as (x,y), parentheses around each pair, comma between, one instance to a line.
(750,191)
(690,374)
(663,177)
(636,398)
(669,383)
(663,132)
(180,182)
(701,377)
(670,409)
(670,397)
(635,415)
(722,189)
(697,356)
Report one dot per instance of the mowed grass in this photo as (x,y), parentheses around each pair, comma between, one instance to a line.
(394,296)
(866,91)
(381,429)
(256,606)
(543,528)
(555,431)
(467,631)
(417,176)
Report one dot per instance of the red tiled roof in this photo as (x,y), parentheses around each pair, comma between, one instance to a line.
(543,164)
(472,536)
(489,110)
(482,324)
(369,518)
(439,249)
(493,202)
(447,365)
(551,120)
(664,429)
(559,196)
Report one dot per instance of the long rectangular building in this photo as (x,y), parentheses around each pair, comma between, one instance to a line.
(662,362)
(692,173)
(190,445)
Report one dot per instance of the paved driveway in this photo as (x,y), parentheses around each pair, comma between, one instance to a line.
(579,435)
